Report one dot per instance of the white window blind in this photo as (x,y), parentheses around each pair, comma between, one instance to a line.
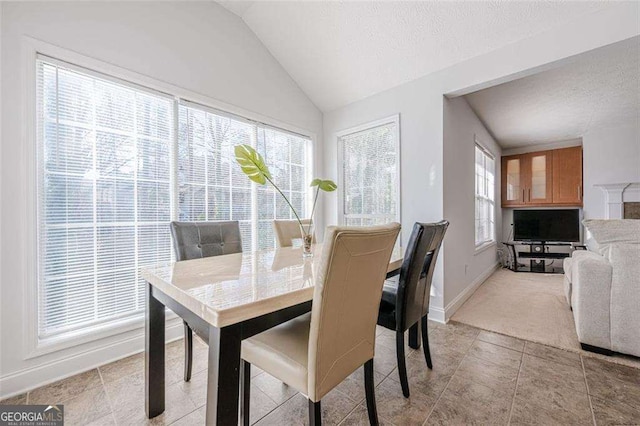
(104,196)
(108,188)
(485,196)
(212,186)
(289,159)
(370,175)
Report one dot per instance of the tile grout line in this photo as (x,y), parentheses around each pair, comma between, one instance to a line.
(106,395)
(515,391)
(449,382)
(586,383)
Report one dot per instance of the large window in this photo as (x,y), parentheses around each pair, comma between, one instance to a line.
(113,173)
(212,187)
(369,161)
(485,197)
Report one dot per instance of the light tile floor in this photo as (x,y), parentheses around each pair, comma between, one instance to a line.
(478,377)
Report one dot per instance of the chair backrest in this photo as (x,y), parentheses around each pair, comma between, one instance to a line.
(416,273)
(346,299)
(195,240)
(288,230)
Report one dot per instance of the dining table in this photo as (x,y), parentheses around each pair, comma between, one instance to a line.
(226,299)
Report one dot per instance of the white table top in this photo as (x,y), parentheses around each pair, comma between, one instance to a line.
(225,290)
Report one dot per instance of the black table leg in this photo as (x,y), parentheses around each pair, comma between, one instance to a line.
(223,383)
(414,341)
(154,356)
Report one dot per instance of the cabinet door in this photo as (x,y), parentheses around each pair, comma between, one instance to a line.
(567,176)
(538,177)
(512,181)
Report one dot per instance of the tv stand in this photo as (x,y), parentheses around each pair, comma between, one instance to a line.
(538,257)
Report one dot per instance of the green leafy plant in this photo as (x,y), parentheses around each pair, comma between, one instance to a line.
(253,165)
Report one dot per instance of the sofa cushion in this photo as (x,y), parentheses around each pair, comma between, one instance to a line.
(608,232)
(592,244)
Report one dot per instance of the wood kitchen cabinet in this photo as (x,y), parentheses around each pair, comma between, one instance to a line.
(543,178)
(567,176)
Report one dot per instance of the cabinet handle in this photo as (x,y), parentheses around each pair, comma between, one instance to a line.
(529,194)
(523,199)
(579,193)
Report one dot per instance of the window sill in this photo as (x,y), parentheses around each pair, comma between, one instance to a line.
(484,246)
(134,324)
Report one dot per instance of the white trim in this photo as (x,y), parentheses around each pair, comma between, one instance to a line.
(437,315)
(616,194)
(30,378)
(483,147)
(456,303)
(484,246)
(31,50)
(362,127)
(30,187)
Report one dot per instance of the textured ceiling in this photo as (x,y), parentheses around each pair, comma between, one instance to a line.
(597,89)
(340,52)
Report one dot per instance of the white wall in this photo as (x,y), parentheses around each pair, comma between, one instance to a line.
(420,105)
(464,268)
(610,155)
(197,46)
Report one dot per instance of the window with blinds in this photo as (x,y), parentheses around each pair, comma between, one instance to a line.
(112,175)
(485,196)
(104,200)
(370,184)
(211,186)
(288,157)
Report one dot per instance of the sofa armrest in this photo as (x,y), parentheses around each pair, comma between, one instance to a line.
(625,298)
(591,298)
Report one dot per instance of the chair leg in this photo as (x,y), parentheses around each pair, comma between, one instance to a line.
(369,387)
(402,365)
(414,341)
(188,351)
(315,414)
(245,392)
(425,343)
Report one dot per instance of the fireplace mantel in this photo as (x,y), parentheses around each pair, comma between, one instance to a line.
(616,194)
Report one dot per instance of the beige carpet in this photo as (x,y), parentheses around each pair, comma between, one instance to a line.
(527,306)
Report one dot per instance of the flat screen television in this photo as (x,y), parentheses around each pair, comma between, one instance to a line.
(562,225)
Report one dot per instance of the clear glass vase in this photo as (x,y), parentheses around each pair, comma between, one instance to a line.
(306,234)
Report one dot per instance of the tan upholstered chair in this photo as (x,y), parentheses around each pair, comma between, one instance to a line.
(289,230)
(316,351)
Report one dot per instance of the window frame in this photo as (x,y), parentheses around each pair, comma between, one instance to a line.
(393,119)
(120,330)
(479,247)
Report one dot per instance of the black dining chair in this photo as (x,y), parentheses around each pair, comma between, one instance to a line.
(196,240)
(405,305)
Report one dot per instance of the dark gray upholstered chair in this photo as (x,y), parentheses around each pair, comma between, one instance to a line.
(402,307)
(195,240)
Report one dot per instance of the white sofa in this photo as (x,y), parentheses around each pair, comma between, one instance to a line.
(602,285)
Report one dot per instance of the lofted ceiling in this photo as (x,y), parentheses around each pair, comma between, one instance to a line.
(342,51)
(597,89)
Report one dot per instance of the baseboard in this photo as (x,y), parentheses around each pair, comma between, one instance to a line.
(31,378)
(456,303)
(437,315)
